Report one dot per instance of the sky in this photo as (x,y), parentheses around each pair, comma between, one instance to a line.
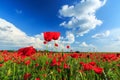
(85,25)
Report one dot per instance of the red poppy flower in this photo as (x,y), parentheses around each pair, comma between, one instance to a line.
(27,76)
(6,58)
(92,63)
(98,70)
(67,46)
(1,65)
(58,63)
(54,62)
(87,67)
(47,62)
(36,65)
(48,36)
(27,62)
(5,52)
(56,35)
(37,78)
(75,55)
(66,66)
(45,42)
(81,63)
(56,45)
(27,51)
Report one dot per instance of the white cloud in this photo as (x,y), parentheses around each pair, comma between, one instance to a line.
(83,47)
(13,37)
(109,44)
(102,35)
(69,39)
(82,16)
(84,44)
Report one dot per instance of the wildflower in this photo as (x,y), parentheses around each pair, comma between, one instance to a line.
(27,76)
(48,36)
(56,45)
(54,62)
(67,46)
(74,55)
(66,66)
(6,58)
(81,63)
(87,67)
(98,70)
(27,51)
(36,65)
(37,78)
(58,63)
(5,52)
(1,65)
(47,62)
(45,42)
(56,35)
(27,62)
(92,63)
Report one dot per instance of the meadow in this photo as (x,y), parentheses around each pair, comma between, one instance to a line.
(59,66)
(28,64)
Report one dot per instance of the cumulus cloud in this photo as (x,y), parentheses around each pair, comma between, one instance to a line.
(69,38)
(82,16)
(84,47)
(84,44)
(13,37)
(115,35)
(109,44)
(102,35)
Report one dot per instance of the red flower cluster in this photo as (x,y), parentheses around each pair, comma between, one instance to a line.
(87,67)
(110,57)
(75,55)
(91,66)
(55,62)
(27,51)
(48,36)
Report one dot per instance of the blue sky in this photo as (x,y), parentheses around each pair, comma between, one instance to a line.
(85,25)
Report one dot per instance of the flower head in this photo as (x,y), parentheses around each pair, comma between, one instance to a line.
(98,70)
(27,76)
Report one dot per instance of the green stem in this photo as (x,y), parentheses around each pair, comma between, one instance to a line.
(13,71)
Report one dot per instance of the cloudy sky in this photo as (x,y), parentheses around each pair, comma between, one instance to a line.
(85,25)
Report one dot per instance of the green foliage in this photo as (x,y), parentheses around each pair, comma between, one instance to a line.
(11,70)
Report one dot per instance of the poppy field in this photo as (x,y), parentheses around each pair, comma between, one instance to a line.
(59,66)
(29,64)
